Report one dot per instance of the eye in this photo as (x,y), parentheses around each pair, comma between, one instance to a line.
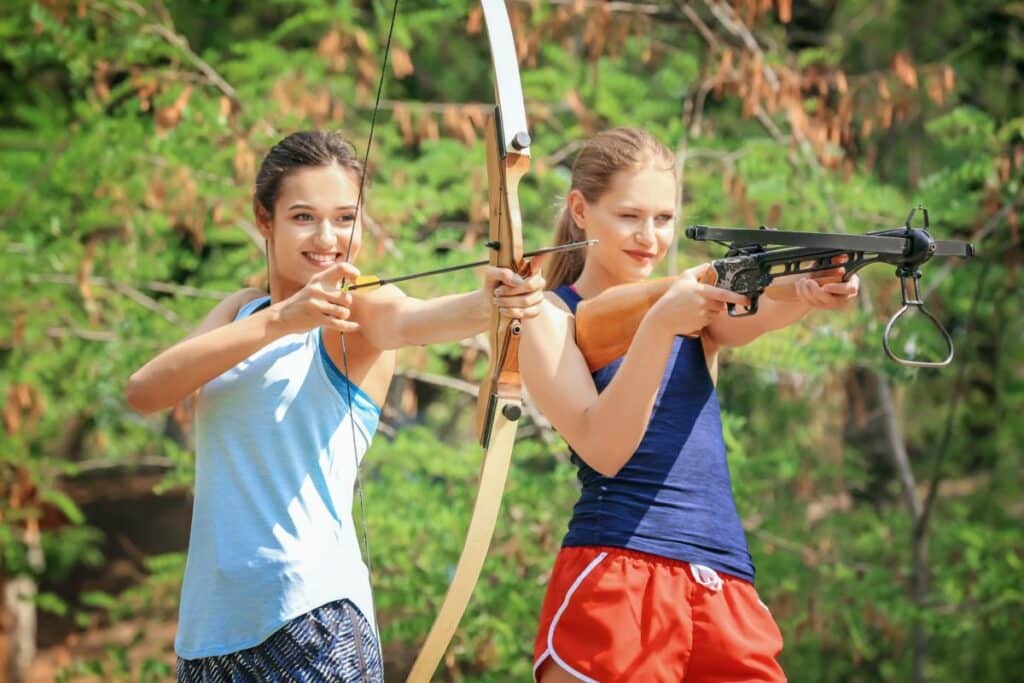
(664,219)
(346,219)
(303,217)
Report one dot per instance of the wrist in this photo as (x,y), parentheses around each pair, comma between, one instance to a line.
(658,321)
(277,323)
(482,303)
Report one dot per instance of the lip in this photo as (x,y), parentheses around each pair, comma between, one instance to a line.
(641,256)
(320,264)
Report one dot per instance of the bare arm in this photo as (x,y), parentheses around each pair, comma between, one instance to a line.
(220,342)
(215,346)
(603,428)
(818,292)
(390,320)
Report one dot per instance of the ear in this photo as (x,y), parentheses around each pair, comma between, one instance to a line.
(264,221)
(577,204)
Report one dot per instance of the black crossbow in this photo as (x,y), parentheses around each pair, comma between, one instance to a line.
(749,267)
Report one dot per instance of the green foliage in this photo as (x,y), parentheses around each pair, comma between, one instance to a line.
(129,138)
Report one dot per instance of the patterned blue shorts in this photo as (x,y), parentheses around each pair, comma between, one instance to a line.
(332,644)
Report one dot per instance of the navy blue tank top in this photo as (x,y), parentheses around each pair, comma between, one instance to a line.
(673,497)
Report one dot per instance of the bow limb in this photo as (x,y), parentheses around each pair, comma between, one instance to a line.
(500,401)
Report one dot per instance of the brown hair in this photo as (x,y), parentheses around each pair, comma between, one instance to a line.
(300,150)
(604,155)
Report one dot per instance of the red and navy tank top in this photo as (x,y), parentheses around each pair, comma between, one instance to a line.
(673,497)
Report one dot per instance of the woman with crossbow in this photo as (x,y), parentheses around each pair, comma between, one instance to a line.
(288,392)
(654,581)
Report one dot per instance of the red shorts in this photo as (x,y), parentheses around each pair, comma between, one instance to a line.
(619,615)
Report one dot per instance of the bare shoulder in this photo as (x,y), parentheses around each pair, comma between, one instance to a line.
(368,367)
(227,309)
(558,303)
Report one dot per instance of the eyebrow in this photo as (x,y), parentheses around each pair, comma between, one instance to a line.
(303,205)
(636,208)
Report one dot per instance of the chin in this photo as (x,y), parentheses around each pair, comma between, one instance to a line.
(634,272)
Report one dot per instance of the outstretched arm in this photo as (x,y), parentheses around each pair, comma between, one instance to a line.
(821,291)
(390,320)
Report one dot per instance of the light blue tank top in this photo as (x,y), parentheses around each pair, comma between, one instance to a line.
(272,532)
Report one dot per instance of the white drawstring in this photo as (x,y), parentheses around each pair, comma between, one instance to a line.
(707,577)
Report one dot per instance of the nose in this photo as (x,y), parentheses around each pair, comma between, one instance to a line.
(645,233)
(324,237)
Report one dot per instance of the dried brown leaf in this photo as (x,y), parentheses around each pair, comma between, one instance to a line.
(785,11)
(167,118)
(405,124)
(401,63)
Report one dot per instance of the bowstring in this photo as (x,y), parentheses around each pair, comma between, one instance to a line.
(344,350)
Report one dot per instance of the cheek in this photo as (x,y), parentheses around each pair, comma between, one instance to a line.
(355,245)
(665,239)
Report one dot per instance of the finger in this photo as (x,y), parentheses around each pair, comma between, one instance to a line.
(335,311)
(504,293)
(811,292)
(822,297)
(805,291)
(536,283)
(339,297)
(505,276)
(719,294)
(530,286)
(704,272)
(831,273)
(536,264)
(342,271)
(841,289)
(522,301)
(343,326)
(524,289)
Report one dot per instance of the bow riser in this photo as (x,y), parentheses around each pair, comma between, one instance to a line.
(500,402)
(505,168)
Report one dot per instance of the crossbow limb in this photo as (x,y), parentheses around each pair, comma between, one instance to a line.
(500,401)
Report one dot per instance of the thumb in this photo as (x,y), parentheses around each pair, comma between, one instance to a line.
(536,264)
(705,273)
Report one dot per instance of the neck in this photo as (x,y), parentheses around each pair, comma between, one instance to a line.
(280,289)
(595,279)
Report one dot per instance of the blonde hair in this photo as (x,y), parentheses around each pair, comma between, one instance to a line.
(604,155)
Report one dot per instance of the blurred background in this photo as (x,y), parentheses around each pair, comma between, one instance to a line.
(883,505)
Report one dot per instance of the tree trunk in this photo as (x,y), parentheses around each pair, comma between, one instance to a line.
(19,601)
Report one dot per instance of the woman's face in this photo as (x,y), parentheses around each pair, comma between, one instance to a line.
(633,222)
(314,223)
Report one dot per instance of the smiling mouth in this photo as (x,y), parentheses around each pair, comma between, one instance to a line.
(641,256)
(321,259)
